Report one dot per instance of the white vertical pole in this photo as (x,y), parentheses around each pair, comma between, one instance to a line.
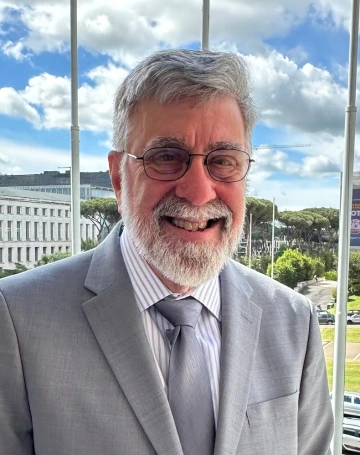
(344,239)
(250,239)
(205,25)
(75,133)
(273,239)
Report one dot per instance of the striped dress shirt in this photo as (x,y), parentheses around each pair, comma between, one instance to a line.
(149,289)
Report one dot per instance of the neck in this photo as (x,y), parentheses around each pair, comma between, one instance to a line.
(173,287)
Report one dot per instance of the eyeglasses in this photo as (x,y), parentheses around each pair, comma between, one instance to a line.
(168,164)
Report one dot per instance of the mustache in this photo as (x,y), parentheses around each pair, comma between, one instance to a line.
(176,207)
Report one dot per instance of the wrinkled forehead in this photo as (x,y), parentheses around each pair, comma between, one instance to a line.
(186,121)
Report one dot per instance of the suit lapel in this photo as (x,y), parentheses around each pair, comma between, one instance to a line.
(117,325)
(240,329)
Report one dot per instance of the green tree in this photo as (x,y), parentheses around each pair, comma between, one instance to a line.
(318,266)
(88,244)
(48,258)
(292,267)
(328,258)
(318,226)
(354,273)
(262,214)
(102,212)
(260,262)
(332,231)
(294,225)
(18,269)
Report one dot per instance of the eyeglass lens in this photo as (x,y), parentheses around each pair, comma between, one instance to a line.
(172,164)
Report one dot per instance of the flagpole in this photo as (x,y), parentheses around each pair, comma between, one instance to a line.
(250,239)
(273,239)
(344,239)
(205,25)
(75,135)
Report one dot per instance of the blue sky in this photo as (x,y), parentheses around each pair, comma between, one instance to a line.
(298,53)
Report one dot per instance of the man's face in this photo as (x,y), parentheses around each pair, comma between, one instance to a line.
(185,229)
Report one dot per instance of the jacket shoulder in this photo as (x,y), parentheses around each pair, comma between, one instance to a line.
(63,273)
(265,290)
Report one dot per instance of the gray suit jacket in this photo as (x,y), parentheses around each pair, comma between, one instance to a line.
(78,377)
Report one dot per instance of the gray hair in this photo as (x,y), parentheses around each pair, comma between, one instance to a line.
(172,74)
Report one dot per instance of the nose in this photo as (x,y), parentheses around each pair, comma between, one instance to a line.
(196,185)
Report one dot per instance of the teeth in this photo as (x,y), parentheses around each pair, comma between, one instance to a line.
(189,225)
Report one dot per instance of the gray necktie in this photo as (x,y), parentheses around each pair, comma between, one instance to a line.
(188,382)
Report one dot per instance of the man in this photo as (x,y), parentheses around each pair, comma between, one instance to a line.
(90,360)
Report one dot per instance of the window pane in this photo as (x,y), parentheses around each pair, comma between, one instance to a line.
(348,431)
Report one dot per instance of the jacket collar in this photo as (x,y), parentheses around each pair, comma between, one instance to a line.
(117,325)
(116,322)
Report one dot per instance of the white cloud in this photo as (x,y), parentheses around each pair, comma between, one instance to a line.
(46,100)
(20,158)
(129,30)
(15,50)
(268,162)
(319,165)
(305,98)
(14,105)
(333,12)
(304,194)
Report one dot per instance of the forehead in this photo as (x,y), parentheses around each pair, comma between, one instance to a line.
(196,125)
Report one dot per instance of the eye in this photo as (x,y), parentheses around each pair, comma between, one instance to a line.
(222,161)
(166,155)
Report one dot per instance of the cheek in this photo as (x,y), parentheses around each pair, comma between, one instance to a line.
(145,194)
(235,200)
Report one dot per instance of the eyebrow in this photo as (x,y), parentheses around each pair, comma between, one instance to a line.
(226,145)
(162,141)
(166,141)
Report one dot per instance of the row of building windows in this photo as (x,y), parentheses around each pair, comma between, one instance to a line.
(19,254)
(10,210)
(41,231)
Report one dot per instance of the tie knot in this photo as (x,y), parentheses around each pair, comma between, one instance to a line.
(180,312)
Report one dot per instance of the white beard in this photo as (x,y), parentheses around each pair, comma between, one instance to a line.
(182,262)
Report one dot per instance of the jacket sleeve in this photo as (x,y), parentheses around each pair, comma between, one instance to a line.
(16,436)
(315,417)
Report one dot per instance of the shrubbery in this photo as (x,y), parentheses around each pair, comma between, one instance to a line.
(331,275)
(292,267)
(49,258)
(261,262)
(318,267)
(334,294)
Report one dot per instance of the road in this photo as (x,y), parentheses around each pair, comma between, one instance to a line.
(320,294)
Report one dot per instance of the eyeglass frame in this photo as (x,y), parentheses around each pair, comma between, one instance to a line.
(141,158)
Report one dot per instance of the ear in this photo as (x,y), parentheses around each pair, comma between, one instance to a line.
(114,159)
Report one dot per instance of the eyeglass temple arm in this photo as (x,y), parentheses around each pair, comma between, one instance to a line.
(133,156)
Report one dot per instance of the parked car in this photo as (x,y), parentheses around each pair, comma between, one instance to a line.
(351,404)
(324,317)
(353,317)
(351,434)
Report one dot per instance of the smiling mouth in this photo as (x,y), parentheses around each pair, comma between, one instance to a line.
(191,226)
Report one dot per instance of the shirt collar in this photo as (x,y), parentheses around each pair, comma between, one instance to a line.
(149,289)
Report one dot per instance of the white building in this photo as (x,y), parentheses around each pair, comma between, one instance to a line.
(87,191)
(33,224)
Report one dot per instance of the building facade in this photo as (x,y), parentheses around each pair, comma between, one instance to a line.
(33,224)
(92,184)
